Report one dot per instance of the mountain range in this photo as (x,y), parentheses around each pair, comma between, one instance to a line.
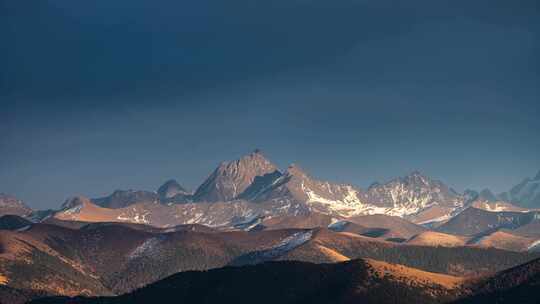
(253,193)
(413,236)
(252,187)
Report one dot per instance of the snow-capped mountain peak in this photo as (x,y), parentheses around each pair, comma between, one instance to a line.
(414,191)
(251,187)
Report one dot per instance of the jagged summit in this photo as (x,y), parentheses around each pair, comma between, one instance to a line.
(171,188)
(74,201)
(416,173)
(374,184)
(412,194)
(297,171)
(413,179)
(256,155)
(525,194)
(416,177)
(12,205)
(230,179)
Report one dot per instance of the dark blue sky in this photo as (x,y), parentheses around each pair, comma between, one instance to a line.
(100,95)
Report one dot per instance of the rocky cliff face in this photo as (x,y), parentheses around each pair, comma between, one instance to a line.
(525,194)
(296,187)
(170,189)
(412,193)
(230,179)
(252,187)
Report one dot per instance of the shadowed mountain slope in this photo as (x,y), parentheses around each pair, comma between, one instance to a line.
(13,222)
(364,281)
(517,285)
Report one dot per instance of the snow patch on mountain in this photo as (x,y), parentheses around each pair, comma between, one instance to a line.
(147,249)
(338,226)
(289,243)
(22,229)
(534,247)
(73,210)
(248,223)
(495,208)
(137,218)
(439,219)
(196,218)
(350,204)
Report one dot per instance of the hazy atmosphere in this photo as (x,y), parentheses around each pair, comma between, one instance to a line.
(112,95)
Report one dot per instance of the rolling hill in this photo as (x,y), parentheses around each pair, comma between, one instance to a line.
(364,281)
